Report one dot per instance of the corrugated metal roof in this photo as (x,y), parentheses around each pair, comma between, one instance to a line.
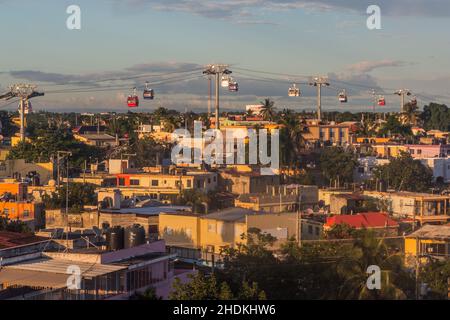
(429,231)
(60,266)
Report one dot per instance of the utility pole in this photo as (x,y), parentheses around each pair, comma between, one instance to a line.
(218,71)
(24,92)
(402,93)
(319,82)
(59,156)
(209,96)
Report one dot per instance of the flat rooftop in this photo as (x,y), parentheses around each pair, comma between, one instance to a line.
(14,239)
(431,232)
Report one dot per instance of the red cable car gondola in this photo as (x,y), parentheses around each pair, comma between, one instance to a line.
(133,100)
(382,102)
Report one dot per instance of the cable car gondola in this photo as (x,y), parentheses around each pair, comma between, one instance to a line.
(381,101)
(133,100)
(294,91)
(343,97)
(149,94)
(233,86)
(413,102)
(225,83)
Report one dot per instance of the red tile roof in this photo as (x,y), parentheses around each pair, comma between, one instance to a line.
(363,220)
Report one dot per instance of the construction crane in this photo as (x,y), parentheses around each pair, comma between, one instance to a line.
(24,92)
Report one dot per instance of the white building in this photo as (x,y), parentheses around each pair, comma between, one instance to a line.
(439,166)
(365,167)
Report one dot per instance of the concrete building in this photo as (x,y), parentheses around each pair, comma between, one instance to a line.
(332,133)
(440,168)
(19,168)
(348,203)
(102,140)
(246,182)
(423,207)
(284,198)
(207,235)
(422,151)
(104,275)
(430,241)
(365,167)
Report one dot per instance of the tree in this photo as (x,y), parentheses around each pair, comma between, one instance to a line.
(436,274)
(338,164)
(396,282)
(436,117)
(405,174)
(13,226)
(44,147)
(341,231)
(207,287)
(79,195)
(394,127)
(148,152)
(291,136)
(268,109)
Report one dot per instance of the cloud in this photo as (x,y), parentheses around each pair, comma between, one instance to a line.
(368,66)
(156,71)
(236,9)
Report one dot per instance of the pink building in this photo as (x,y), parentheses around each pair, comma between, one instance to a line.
(421,151)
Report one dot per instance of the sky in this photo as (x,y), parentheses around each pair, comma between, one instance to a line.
(268,44)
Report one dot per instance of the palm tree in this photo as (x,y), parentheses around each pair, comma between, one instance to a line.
(292,140)
(370,251)
(268,109)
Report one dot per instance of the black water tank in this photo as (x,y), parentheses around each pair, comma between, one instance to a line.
(115,238)
(134,236)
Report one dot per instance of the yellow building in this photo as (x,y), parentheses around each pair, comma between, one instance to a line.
(372,140)
(211,233)
(389,150)
(337,133)
(430,241)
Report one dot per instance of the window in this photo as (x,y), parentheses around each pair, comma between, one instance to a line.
(209,180)
(317,231)
(310,229)
(155,183)
(199,184)
(189,183)
(419,151)
(215,178)
(6,211)
(411,151)
(26,213)
(134,182)
(360,169)
(121,181)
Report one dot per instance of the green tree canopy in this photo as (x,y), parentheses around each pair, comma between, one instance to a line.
(405,174)
(338,164)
